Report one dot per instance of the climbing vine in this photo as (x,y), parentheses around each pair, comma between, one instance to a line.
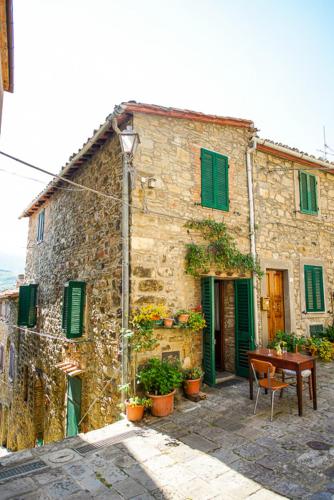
(220,252)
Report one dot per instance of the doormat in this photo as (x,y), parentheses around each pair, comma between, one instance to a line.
(230,383)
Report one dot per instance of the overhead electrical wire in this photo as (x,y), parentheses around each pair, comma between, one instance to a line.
(47,335)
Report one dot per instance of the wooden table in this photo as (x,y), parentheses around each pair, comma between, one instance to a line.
(290,361)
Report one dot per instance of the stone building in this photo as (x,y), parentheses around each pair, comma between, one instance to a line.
(189,166)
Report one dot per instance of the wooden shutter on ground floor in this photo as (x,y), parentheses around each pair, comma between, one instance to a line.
(314,289)
(244,324)
(208,331)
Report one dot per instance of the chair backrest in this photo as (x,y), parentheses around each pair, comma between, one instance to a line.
(262,368)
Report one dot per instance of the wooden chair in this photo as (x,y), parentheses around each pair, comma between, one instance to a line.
(306,376)
(268,382)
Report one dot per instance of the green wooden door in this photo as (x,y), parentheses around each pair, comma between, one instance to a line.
(244,324)
(208,305)
(73,406)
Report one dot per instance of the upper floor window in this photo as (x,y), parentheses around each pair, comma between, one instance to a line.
(214,176)
(40,226)
(308,193)
(2,357)
(314,289)
(73,308)
(27,305)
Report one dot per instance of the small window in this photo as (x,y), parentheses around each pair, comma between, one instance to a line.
(11,362)
(316,330)
(314,289)
(27,315)
(308,193)
(2,360)
(214,176)
(73,308)
(40,226)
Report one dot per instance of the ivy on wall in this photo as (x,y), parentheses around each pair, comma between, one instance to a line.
(219,253)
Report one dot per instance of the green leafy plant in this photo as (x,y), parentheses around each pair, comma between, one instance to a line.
(196,321)
(288,340)
(329,333)
(325,350)
(137,401)
(220,252)
(181,311)
(160,377)
(193,373)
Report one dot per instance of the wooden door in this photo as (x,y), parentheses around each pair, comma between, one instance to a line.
(73,406)
(275,292)
(244,324)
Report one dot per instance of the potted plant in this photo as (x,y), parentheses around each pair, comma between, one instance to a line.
(135,407)
(192,380)
(160,379)
(196,321)
(182,315)
(168,322)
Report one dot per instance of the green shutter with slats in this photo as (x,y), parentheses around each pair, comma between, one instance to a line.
(314,289)
(73,308)
(214,176)
(73,405)
(27,315)
(208,332)
(308,193)
(244,324)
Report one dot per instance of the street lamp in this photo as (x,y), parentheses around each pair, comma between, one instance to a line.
(129,140)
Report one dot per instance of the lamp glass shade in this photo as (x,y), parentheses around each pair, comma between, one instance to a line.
(129,140)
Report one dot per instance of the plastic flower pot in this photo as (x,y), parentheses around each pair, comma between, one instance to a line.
(162,406)
(192,387)
(134,413)
(168,322)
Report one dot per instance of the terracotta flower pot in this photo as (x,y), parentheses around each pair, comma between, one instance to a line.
(134,413)
(192,386)
(183,318)
(168,322)
(162,405)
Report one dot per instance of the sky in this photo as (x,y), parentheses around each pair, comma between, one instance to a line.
(266,60)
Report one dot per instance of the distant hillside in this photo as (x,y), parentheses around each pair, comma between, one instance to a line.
(7,279)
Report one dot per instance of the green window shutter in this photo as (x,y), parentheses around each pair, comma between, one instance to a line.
(244,324)
(74,390)
(214,170)
(314,289)
(27,305)
(207,179)
(208,306)
(308,193)
(40,226)
(73,308)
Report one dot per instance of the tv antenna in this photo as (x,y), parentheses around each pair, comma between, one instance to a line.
(327,149)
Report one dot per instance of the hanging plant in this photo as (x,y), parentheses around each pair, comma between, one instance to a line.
(220,252)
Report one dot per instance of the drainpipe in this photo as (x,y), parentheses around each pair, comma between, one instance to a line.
(250,149)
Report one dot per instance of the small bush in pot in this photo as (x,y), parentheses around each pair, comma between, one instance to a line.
(196,321)
(192,380)
(135,407)
(182,315)
(159,380)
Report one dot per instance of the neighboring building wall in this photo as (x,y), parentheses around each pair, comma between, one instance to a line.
(287,239)
(170,152)
(9,339)
(81,242)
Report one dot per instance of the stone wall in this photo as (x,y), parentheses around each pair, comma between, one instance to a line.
(170,153)
(81,242)
(288,239)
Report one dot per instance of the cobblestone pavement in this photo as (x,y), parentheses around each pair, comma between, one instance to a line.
(213,449)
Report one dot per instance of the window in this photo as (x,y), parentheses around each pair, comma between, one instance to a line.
(316,330)
(308,193)
(73,308)
(40,226)
(27,305)
(214,175)
(2,352)
(314,289)
(11,362)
